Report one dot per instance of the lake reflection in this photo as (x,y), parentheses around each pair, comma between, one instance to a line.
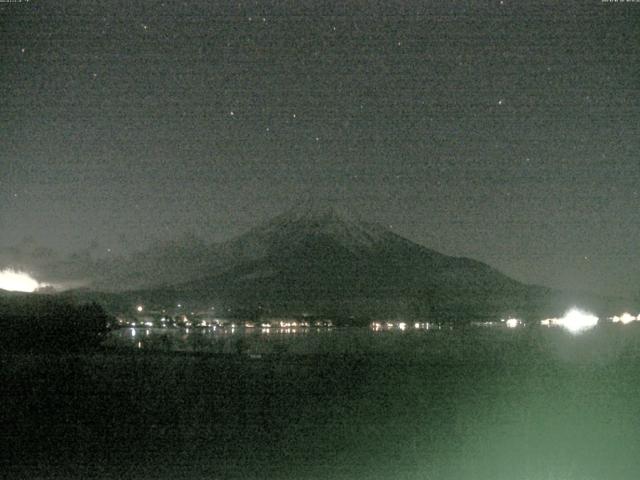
(225,339)
(452,404)
(435,342)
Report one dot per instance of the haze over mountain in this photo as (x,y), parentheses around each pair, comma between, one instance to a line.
(315,259)
(308,239)
(318,260)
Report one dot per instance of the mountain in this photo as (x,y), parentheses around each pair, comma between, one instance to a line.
(174,261)
(314,259)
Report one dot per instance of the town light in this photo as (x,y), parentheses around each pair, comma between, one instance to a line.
(577,321)
(574,320)
(16,281)
(512,322)
(624,318)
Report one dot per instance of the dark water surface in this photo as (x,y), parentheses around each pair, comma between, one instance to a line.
(472,404)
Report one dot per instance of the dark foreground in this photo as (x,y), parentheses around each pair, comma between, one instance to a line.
(545,406)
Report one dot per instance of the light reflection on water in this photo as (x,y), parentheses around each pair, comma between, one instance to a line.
(238,339)
(424,340)
(440,344)
(214,333)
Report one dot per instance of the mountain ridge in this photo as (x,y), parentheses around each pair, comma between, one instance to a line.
(319,260)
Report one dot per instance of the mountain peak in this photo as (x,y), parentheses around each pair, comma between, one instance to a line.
(313,219)
(315,210)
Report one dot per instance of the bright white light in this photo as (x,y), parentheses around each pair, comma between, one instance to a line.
(624,318)
(402,326)
(139,308)
(577,321)
(512,322)
(16,281)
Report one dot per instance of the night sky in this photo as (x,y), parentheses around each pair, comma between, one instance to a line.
(504,131)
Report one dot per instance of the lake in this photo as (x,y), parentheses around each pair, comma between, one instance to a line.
(309,340)
(526,403)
